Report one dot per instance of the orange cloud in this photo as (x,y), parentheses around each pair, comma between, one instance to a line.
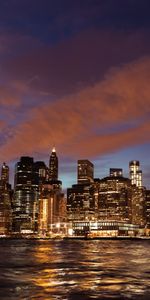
(78,124)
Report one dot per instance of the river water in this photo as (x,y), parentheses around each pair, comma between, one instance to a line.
(72,270)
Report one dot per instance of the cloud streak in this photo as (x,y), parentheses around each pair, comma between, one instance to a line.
(77,123)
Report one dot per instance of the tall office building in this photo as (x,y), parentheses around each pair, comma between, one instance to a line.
(51,207)
(40,172)
(80,204)
(113,196)
(5,201)
(53,165)
(138,206)
(52,203)
(147,209)
(85,171)
(25,197)
(5,173)
(135,173)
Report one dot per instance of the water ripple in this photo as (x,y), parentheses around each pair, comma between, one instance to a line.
(73,270)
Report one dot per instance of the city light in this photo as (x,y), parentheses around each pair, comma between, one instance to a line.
(113,206)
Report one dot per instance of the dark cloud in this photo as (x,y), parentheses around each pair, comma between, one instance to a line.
(76,63)
(59,19)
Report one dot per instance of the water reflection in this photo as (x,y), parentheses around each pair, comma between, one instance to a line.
(75,270)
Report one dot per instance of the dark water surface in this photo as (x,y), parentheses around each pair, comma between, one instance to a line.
(42,269)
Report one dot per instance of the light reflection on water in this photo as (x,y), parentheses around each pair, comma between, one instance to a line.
(74,269)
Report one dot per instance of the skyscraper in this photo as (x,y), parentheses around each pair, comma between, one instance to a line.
(5,201)
(135,173)
(114,197)
(25,196)
(80,204)
(53,166)
(5,173)
(138,204)
(50,207)
(147,208)
(85,171)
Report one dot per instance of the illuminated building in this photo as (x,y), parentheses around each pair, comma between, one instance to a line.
(5,202)
(85,171)
(40,172)
(147,208)
(135,173)
(52,204)
(53,166)
(113,197)
(5,173)
(52,207)
(147,211)
(116,172)
(138,206)
(104,228)
(25,198)
(80,202)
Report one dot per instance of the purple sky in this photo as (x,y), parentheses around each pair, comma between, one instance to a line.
(75,74)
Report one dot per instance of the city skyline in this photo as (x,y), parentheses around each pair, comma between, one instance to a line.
(54,165)
(75,76)
(112,205)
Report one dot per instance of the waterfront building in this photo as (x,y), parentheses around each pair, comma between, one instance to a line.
(104,228)
(85,171)
(25,200)
(52,203)
(52,208)
(80,202)
(147,209)
(138,214)
(113,198)
(135,173)
(5,202)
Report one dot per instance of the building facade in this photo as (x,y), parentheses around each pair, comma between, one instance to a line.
(5,202)
(53,166)
(113,197)
(25,200)
(135,173)
(85,172)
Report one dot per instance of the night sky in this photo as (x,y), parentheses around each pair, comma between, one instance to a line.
(75,74)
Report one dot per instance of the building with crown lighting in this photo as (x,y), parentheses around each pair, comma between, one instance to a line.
(53,165)
(135,173)
(52,203)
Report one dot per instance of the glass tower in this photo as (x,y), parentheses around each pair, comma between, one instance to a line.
(25,196)
(85,171)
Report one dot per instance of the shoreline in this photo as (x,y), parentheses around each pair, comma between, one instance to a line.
(127,238)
